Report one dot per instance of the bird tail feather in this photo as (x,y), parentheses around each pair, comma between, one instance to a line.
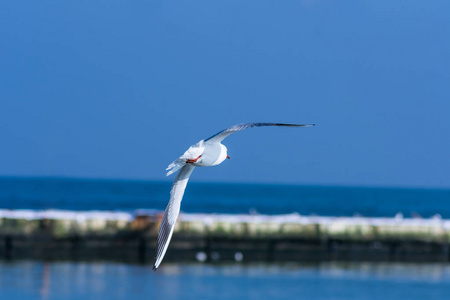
(175,166)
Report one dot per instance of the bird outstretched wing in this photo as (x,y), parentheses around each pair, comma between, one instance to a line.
(218,137)
(171,214)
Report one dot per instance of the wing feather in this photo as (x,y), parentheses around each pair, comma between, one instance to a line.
(218,137)
(171,213)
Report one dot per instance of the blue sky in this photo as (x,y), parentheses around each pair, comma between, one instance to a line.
(119,89)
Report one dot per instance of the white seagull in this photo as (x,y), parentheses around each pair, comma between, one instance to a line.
(206,153)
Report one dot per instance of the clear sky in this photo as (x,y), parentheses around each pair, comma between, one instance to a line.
(119,89)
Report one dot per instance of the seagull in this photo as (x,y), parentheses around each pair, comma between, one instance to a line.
(206,153)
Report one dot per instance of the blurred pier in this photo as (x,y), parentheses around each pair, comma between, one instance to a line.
(131,237)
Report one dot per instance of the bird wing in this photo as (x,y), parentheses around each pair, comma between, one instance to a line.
(218,137)
(171,214)
(192,153)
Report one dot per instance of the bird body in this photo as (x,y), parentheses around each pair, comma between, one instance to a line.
(213,155)
(206,153)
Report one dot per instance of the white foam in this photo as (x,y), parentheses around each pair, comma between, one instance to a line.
(299,219)
(65,215)
(208,219)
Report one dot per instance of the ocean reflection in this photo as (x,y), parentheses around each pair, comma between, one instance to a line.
(45,287)
(388,271)
(327,280)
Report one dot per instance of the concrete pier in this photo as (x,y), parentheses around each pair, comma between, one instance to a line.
(131,236)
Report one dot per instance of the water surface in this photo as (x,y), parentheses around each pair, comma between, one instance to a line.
(82,194)
(325,281)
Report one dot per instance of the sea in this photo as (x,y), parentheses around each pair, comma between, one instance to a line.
(35,280)
(29,280)
(234,198)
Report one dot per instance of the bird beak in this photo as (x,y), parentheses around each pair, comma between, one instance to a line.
(228,157)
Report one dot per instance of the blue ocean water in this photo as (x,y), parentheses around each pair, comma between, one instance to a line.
(27,280)
(125,195)
(30,280)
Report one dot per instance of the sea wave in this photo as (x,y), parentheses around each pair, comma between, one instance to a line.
(205,218)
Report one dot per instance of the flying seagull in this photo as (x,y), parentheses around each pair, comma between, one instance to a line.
(206,153)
